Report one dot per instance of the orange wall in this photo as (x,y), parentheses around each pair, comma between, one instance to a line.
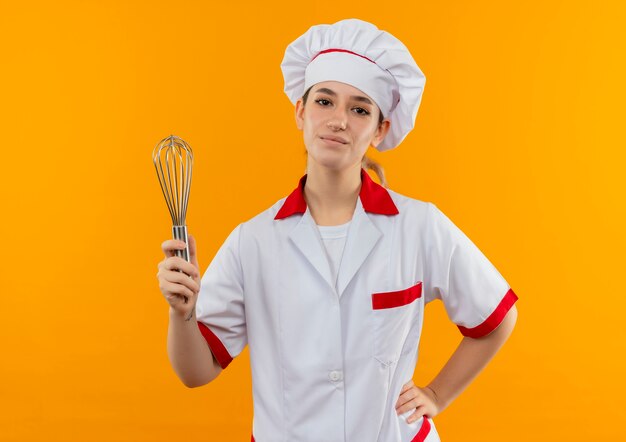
(519,139)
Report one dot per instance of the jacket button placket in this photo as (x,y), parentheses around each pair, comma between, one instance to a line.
(336,372)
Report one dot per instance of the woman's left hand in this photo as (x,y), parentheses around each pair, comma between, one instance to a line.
(422,400)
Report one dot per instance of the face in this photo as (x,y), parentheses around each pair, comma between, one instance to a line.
(339,122)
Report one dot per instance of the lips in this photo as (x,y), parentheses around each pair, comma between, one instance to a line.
(334,138)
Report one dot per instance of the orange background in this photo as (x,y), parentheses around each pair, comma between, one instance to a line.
(517,140)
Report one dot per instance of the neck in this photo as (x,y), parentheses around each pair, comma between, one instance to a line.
(331,195)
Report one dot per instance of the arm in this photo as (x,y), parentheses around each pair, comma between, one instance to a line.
(467,361)
(189,353)
(470,287)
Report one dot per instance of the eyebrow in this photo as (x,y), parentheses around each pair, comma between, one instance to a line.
(354,97)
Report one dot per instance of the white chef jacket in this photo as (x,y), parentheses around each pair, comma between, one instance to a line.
(329,360)
(334,240)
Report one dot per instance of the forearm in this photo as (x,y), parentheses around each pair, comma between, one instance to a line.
(189,353)
(468,360)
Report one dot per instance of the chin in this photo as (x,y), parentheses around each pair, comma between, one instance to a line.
(327,157)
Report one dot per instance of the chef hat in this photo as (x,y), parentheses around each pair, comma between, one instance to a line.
(356,52)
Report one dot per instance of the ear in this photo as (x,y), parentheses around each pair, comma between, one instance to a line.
(381,131)
(299,114)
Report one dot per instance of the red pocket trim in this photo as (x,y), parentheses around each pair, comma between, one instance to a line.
(397,298)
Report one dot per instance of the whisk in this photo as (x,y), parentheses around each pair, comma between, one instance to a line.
(173,160)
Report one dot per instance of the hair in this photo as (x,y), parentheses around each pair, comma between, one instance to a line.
(366,162)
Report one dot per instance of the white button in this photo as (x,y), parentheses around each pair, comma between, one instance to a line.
(335,375)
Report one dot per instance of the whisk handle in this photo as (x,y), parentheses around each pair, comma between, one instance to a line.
(180,233)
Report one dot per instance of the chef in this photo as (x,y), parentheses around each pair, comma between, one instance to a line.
(328,286)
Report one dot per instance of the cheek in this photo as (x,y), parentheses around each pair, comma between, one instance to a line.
(311,125)
(313,119)
(365,133)
(308,131)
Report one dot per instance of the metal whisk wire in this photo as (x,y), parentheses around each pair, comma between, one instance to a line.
(173,160)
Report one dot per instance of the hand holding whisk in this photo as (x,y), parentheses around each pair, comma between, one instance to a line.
(173,160)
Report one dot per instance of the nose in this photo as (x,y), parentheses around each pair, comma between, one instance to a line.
(337,121)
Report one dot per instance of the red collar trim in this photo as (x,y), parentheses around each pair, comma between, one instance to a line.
(374,197)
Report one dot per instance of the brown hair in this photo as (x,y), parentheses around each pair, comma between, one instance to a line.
(366,162)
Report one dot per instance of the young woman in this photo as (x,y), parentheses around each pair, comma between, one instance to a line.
(328,286)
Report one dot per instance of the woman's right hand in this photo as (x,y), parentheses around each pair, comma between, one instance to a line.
(179,289)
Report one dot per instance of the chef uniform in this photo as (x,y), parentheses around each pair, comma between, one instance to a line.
(333,314)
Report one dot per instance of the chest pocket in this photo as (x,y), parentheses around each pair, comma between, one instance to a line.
(394,313)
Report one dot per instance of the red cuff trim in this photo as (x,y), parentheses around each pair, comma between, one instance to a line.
(216,346)
(423,432)
(492,322)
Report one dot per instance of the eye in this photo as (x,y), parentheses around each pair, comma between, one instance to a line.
(320,100)
(361,111)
